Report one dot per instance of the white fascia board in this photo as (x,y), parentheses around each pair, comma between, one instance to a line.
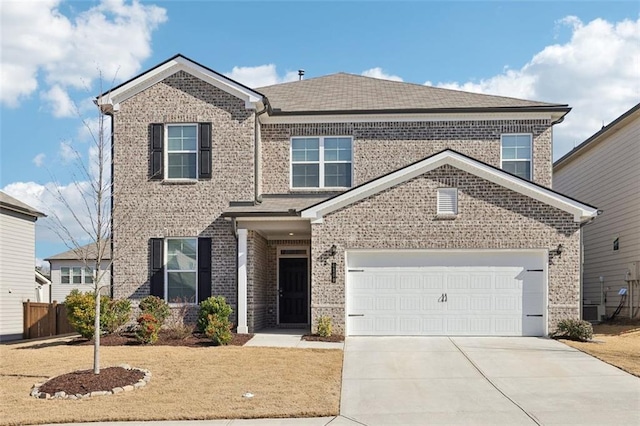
(399,117)
(169,68)
(581,212)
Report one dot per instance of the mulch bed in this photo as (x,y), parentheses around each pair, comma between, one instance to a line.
(195,340)
(335,338)
(84,381)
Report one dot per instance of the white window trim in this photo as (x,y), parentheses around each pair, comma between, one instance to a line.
(166,270)
(165,153)
(321,162)
(442,191)
(531,147)
(83,275)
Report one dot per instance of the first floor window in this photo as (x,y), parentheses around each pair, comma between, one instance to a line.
(321,162)
(182,151)
(76,275)
(181,270)
(516,154)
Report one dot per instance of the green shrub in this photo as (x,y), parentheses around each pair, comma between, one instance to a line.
(148,329)
(218,330)
(325,326)
(155,306)
(574,329)
(216,306)
(81,312)
(114,313)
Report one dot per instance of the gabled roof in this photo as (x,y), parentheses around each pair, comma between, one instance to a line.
(110,100)
(349,93)
(276,205)
(42,279)
(87,252)
(10,203)
(601,135)
(581,212)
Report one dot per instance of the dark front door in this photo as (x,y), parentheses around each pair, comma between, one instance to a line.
(293,290)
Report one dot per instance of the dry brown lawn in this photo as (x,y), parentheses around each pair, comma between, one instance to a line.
(186,383)
(616,344)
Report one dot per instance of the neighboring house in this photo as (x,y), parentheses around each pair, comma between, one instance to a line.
(74,269)
(43,288)
(392,208)
(17,263)
(604,171)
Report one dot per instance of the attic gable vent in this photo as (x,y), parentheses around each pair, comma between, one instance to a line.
(448,201)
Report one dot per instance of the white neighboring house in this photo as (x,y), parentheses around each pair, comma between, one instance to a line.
(17,263)
(43,288)
(69,271)
(604,171)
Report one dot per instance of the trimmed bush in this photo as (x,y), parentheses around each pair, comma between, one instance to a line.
(114,313)
(212,306)
(325,326)
(574,329)
(148,329)
(81,313)
(218,330)
(155,306)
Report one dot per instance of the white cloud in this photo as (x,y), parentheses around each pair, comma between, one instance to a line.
(260,76)
(377,72)
(67,153)
(38,160)
(59,102)
(47,199)
(71,52)
(596,72)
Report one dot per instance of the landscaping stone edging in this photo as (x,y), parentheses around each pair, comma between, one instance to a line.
(35,390)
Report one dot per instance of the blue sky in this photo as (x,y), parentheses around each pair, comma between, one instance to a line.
(586,54)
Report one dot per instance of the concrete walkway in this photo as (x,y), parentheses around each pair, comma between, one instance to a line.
(482,381)
(288,338)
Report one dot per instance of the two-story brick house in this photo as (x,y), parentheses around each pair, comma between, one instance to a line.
(393,208)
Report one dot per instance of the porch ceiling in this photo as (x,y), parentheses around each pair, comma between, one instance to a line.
(273,228)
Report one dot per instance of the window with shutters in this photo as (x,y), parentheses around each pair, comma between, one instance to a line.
(321,162)
(516,154)
(447,201)
(181,270)
(180,151)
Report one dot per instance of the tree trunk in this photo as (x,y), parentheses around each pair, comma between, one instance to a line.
(96,335)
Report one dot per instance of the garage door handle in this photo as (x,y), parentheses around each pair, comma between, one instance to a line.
(534,315)
(356,315)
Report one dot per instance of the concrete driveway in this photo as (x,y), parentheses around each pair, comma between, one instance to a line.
(482,380)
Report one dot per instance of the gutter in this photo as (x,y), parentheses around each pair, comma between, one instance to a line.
(257,151)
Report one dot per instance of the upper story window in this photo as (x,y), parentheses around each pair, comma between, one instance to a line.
(516,154)
(76,275)
(321,162)
(182,151)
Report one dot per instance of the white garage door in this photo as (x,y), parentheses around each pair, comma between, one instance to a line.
(483,293)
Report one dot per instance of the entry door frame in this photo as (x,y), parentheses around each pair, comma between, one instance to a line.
(297,255)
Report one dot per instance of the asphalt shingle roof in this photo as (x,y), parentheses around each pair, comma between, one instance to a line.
(7,201)
(277,204)
(85,252)
(344,92)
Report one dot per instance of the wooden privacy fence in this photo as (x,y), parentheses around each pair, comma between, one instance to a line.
(45,319)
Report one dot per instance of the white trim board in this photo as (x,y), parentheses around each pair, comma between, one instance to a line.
(581,212)
(111,100)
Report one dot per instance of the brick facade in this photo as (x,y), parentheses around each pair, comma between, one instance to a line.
(146,208)
(380,148)
(404,217)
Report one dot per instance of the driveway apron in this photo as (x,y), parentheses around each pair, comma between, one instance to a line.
(482,381)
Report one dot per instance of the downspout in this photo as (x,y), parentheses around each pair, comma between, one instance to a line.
(582,264)
(257,154)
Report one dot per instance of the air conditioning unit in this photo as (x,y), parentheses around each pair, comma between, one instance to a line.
(593,313)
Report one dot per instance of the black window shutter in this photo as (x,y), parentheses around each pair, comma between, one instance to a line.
(204,268)
(156,280)
(204,132)
(157,140)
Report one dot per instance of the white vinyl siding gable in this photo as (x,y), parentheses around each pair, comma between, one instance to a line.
(60,289)
(607,175)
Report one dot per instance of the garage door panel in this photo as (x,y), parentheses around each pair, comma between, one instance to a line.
(480,300)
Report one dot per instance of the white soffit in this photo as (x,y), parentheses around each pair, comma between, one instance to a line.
(172,66)
(581,212)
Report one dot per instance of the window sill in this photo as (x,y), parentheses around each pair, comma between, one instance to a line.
(333,189)
(179,182)
(449,216)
